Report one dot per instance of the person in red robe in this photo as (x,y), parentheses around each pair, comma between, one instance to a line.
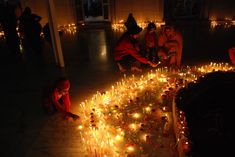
(151,42)
(127,50)
(170,46)
(57,98)
(231,52)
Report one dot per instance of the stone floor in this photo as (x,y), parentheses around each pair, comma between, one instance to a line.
(26,131)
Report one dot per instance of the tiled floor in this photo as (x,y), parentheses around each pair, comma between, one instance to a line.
(90,68)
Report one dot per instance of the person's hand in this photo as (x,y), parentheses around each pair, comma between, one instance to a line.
(74,116)
(69,119)
(153,64)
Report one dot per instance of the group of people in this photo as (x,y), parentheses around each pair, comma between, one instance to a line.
(128,56)
(30,32)
(56,97)
(166,49)
(13,16)
(9,14)
(23,28)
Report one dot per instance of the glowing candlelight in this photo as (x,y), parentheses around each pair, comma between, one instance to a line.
(116,114)
(80,127)
(136,115)
(130,148)
(148,109)
(118,138)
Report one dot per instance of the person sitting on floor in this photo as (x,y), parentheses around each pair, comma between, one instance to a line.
(57,98)
(170,45)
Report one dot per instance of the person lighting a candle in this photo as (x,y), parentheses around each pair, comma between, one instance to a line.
(127,49)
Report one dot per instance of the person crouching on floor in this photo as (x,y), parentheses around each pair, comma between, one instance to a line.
(57,99)
(127,49)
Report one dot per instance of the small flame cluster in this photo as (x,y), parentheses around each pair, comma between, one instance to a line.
(226,23)
(1,35)
(121,27)
(69,28)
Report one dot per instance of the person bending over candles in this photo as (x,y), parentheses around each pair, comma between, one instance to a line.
(57,98)
(127,49)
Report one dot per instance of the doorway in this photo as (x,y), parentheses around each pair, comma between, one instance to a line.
(92,10)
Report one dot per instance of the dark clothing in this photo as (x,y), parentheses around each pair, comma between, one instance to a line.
(8,21)
(30,29)
(46,32)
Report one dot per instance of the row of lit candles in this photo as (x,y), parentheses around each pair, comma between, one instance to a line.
(183,132)
(121,27)
(226,23)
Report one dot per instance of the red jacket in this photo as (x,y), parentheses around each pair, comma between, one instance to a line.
(124,47)
(53,100)
(232,54)
(150,40)
(65,100)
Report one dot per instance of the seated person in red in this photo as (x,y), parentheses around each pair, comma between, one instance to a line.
(170,45)
(126,52)
(231,52)
(151,42)
(57,99)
